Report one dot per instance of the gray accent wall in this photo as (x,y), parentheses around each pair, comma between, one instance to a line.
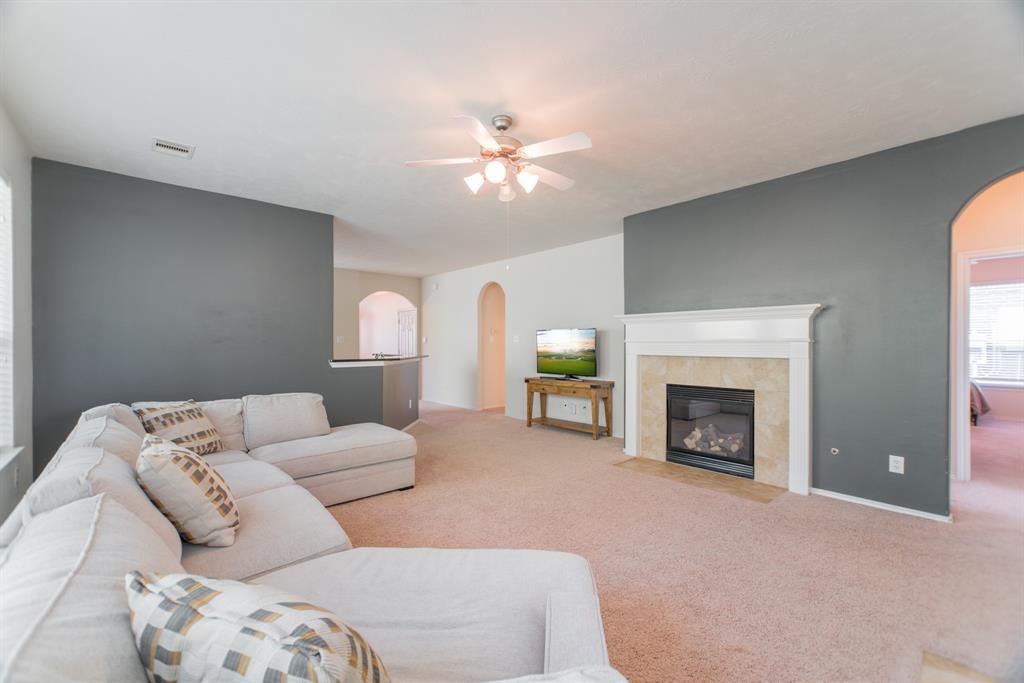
(870,239)
(148,291)
(401,390)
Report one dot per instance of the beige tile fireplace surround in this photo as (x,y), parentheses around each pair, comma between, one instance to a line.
(766,349)
(768,377)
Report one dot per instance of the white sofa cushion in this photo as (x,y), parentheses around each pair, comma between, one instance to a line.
(186,424)
(251,476)
(242,632)
(63,613)
(279,527)
(225,457)
(118,411)
(82,473)
(443,615)
(107,433)
(189,491)
(345,447)
(282,417)
(225,414)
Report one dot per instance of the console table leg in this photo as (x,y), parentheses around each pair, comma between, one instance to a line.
(595,419)
(529,408)
(608,414)
(544,406)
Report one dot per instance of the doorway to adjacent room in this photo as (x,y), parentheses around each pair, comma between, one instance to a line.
(491,347)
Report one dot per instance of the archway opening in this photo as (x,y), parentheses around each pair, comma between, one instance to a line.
(491,346)
(387,326)
(987,327)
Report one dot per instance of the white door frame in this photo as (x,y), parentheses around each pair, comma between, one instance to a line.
(959,367)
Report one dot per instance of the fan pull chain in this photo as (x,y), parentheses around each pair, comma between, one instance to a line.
(508,234)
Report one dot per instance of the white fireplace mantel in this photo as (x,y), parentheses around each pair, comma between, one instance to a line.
(759,332)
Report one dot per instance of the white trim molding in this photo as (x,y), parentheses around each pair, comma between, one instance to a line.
(760,332)
(882,506)
(959,365)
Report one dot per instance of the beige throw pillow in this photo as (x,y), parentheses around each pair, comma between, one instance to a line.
(190,493)
(183,423)
(190,629)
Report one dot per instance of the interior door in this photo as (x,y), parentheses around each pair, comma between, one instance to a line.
(407,332)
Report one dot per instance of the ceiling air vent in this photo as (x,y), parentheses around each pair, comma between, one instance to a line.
(175,149)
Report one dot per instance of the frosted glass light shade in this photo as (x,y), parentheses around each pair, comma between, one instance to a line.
(527,180)
(506,193)
(495,171)
(475,182)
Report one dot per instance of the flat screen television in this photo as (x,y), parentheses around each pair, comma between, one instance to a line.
(571,352)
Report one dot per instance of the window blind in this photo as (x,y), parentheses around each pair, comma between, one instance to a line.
(6,320)
(997,332)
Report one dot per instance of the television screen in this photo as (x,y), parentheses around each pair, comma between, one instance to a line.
(567,352)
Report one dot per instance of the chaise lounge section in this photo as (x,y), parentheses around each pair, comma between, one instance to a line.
(431,614)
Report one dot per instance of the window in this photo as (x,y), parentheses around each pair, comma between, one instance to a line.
(997,333)
(6,322)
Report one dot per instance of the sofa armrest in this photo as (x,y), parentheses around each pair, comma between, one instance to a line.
(583,674)
(575,634)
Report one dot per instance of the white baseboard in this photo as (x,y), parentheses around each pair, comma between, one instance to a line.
(882,506)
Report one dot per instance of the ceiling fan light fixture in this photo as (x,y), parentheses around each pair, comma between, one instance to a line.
(495,171)
(527,180)
(475,182)
(506,193)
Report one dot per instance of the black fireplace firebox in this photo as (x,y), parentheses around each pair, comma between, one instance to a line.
(711,427)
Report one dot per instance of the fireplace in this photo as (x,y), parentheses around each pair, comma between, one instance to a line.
(710,427)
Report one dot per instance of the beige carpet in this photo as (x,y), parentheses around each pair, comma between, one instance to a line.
(814,589)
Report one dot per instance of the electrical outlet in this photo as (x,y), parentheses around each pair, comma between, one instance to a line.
(896,464)
(515,338)
(339,340)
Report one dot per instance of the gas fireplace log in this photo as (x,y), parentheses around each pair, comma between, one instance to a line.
(711,440)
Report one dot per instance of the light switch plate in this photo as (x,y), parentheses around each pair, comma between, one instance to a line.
(896,464)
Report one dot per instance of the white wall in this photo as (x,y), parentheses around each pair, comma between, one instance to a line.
(378,323)
(580,285)
(16,168)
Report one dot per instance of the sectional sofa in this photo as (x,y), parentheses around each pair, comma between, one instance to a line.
(433,615)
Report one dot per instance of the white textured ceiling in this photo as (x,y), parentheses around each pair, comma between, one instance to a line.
(316,105)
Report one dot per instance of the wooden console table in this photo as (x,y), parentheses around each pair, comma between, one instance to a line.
(596,390)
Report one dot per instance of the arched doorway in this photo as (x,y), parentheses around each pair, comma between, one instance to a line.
(491,346)
(988,229)
(387,325)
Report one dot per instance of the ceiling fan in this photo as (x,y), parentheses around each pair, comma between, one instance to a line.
(505,158)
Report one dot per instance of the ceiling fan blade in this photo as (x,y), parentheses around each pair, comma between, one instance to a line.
(441,162)
(555,180)
(479,132)
(566,143)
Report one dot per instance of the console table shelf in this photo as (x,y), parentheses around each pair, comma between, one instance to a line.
(597,390)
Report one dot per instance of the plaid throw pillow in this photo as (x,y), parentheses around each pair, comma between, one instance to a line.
(190,493)
(189,628)
(183,423)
